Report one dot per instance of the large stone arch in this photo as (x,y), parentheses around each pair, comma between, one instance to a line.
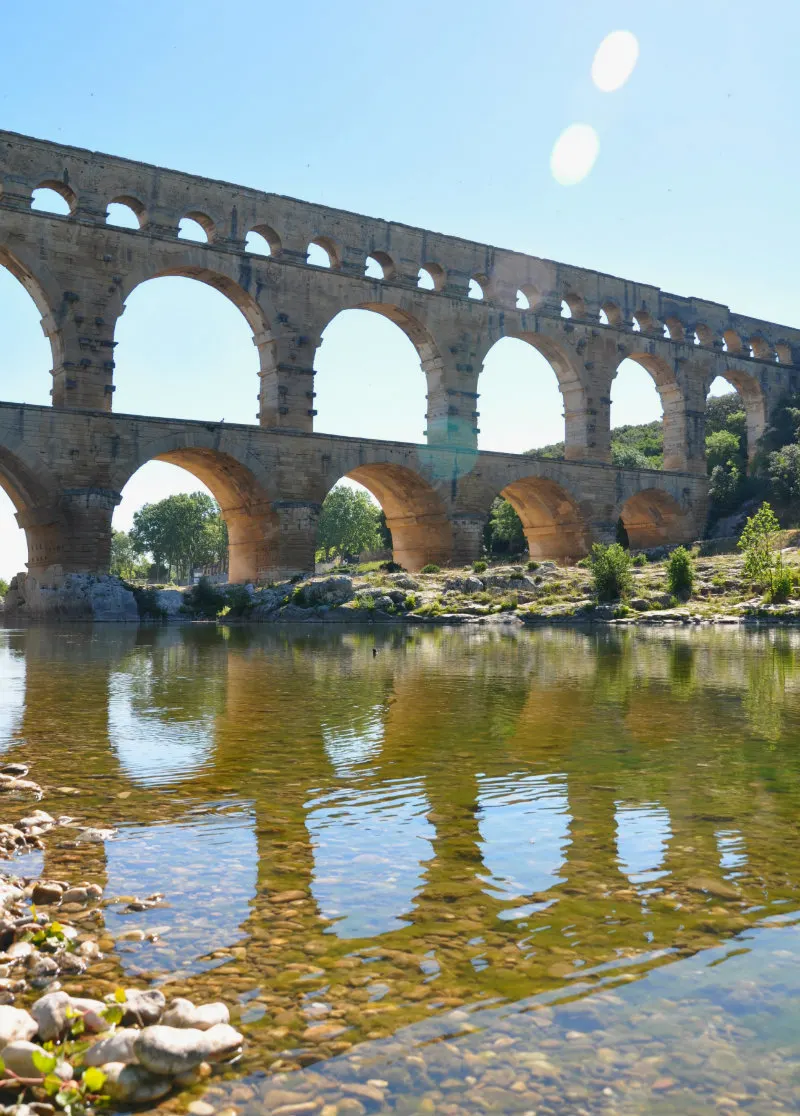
(245,501)
(676,434)
(194,264)
(409,319)
(577,435)
(44,292)
(554,524)
(415,513)
(32,494)
(652,517)
(753,401)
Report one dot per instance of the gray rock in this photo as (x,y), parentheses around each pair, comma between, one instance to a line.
(9,895)
(144,1008)
(114,1048)
(384,603)
(330,591)
(403,581)
(50,1013)
(473,585)
(70,596)
(18,1057)
(15,1025)
(173,1050)
(132,1084)
(169,601)
(183,1013)
(46,893)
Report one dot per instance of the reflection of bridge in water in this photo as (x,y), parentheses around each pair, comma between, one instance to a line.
(519,816)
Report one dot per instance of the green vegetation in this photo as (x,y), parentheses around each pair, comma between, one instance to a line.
(504,533)
(178,533)
(479,567)
(757,543)
(611,572)
(349,523)
(125,562)
(680,573)
(3,587)
(431,568)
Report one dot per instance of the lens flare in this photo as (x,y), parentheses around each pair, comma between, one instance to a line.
(615,60)
(574,154)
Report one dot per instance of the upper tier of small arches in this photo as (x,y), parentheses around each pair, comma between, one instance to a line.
(321,249)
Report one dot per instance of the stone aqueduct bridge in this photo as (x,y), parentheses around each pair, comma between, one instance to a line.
(64,466)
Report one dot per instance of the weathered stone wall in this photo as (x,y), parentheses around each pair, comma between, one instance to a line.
(81,270)
(270,485)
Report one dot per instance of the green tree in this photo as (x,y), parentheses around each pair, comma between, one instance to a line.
(124,560)
(757,543)
(783,467)
(180,532)
(629,457)
(680,572)
(3,587)
(349,522)
(722,447)
(611,572)
(504,531)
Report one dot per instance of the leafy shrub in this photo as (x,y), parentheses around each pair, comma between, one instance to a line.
(533,565)
(391,567)
(479,567)
(782,584)
(205,599)
(146,603)
(411,601)
(431,568)
(238,599)
(611,572)
(680,572)
(757,543)
(640,560)
(784,472)
(3,587)
(516,575)
(584,563)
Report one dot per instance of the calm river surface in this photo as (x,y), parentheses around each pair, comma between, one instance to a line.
(540,872)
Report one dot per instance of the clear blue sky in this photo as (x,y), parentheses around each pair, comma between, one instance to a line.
(438,114)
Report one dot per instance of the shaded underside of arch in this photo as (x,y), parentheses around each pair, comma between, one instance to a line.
(415,514)
(551,518)
(251,521)
(652,518)
(45,304)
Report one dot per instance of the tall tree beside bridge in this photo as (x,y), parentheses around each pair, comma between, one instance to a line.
(181,532)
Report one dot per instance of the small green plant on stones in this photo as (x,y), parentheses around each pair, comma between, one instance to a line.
(680,573)
(611,572)
(757,543)
(480,566)
(640,560)
(431,568)
(532,565)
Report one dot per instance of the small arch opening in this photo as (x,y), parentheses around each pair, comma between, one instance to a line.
(635,325)
(190,229)
(126,213)
(475,290)
(257,244)
(760,348)
(566,309)
(704,335)
(612,312)
(732,342)
(262,240)
(430,277)
(322,252)
(53,197)
(602,317)
(783,352)
(523,302)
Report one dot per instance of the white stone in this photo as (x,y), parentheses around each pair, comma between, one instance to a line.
(183,1013)
(132,1084)
(174,1050)
(16,1024)
(114,1048)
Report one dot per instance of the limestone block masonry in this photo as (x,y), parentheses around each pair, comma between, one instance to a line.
(64,466)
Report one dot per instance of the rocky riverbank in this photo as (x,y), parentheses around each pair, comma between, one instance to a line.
(530,593)
(63,1051)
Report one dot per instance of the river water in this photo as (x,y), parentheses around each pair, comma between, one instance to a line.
(544,872)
